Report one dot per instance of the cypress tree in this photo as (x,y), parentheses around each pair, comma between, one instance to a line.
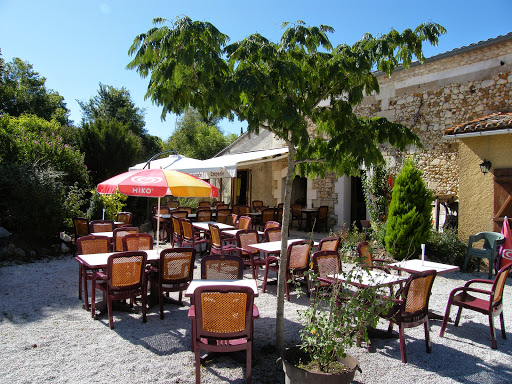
(410,213)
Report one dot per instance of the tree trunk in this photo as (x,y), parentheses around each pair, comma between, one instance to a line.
(281,279)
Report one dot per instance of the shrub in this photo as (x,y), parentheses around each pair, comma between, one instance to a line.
(445,247)
(409,219)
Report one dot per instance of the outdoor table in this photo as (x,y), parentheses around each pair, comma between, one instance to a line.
(204,226)
(372,278)
(309,213)
(416,265)
(274,247)
(233,232)
(251,283)
(107,234)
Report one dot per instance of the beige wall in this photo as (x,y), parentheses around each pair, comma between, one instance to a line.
(476,203)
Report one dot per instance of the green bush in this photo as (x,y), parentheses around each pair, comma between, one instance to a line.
(410,214)
(445,247)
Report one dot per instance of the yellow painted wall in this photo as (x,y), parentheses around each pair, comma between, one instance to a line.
(476,192)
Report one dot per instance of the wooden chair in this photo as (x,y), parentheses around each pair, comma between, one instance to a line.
(232,219)
(164,223)
(124,217)
(272,234)
(119,233)
(173,204)
(190,237)
(322,217)
(267,216)
(101,226)
(217,246)
(86,245)
(329,244)
(489,250)
(279,217)
(410,308)
(297,264)
(203,215)
(366,255)
(137,242)
(325,263)
(244,222)
(222,215)
(272,224)
(125,279)
(491,304)
(222,206)
(296,215)
(187,209)
(243,210)
(222,267)
(222,321)
(174,274)
(257,205)
(204,204)
(81,226)
(251,256)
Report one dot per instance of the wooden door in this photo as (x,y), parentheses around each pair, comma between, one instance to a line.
(502,196)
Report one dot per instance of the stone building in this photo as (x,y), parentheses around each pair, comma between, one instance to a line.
(447,89)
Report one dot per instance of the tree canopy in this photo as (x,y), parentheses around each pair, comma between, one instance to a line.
(303,89)
(196,138)
(23,91)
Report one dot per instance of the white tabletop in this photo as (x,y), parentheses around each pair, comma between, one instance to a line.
(233,232)
(108,234)
(99,260)
(204,225)
(272,246)
(251,283)
(372,278)
(416,265)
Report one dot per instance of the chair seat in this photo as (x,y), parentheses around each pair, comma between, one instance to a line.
(468,301)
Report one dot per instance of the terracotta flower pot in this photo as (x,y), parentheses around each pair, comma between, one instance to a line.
(296,375)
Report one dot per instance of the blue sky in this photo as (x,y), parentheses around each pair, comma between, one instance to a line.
(78,44)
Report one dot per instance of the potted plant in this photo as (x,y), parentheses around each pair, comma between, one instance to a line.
(337,318)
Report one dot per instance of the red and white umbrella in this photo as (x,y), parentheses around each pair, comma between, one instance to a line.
(506,248)
(157,183)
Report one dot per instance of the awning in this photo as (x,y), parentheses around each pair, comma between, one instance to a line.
(216,167)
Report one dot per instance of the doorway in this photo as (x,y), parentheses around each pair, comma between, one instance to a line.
(358,202)
(241,187)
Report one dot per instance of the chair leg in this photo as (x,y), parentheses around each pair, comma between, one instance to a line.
(445,320)
(144,305)
(198,364)
(249,362)
(491,265)
(265,276)
(403,352)
(502,321)
(426,325)
(79,281)
(86,295)
(457,319)
(109,309)
(161,301)
(494,345)
(93,301)
(466,259)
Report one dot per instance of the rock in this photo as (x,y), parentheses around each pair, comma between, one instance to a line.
(64,248)
(65,237)
(4,232)
(20,252)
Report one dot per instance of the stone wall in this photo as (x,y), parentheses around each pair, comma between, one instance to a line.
(447,90)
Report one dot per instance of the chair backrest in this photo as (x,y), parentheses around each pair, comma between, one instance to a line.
(272,234)
(124,217)
(222,215)
(280,215)
(101,226)
(215,236)
(204,215)
(365,253)
(176,265)
(81,225)
(216,203)
(187,228)
(323,212)
(222,206)
(173,204)
(138,242)
(119,233)
(125,270)
(222,267)
(416,294)
(243,209)
(272,224)
(298,255)
(296,209)
(164,210)
(224,312)
(257,205)
(232,219)
(499,285)
(180,214)
(244,238)
(325,263)
(205,204)
(93,244)
(187,209)
(491,242)
(329,243)
(244,222)
(267,215)
(236,209)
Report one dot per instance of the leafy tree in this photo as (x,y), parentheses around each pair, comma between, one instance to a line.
(283,87)
(410,213)
(110,148)
(23,91)
(116,104)
(194,138)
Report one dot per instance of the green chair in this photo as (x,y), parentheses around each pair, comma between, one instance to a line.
(492,241)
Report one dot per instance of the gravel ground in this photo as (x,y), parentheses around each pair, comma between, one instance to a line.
(46,336)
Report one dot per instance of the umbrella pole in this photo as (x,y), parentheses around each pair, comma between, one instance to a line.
(158,225)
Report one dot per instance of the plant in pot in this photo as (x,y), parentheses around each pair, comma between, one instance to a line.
(337,318)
